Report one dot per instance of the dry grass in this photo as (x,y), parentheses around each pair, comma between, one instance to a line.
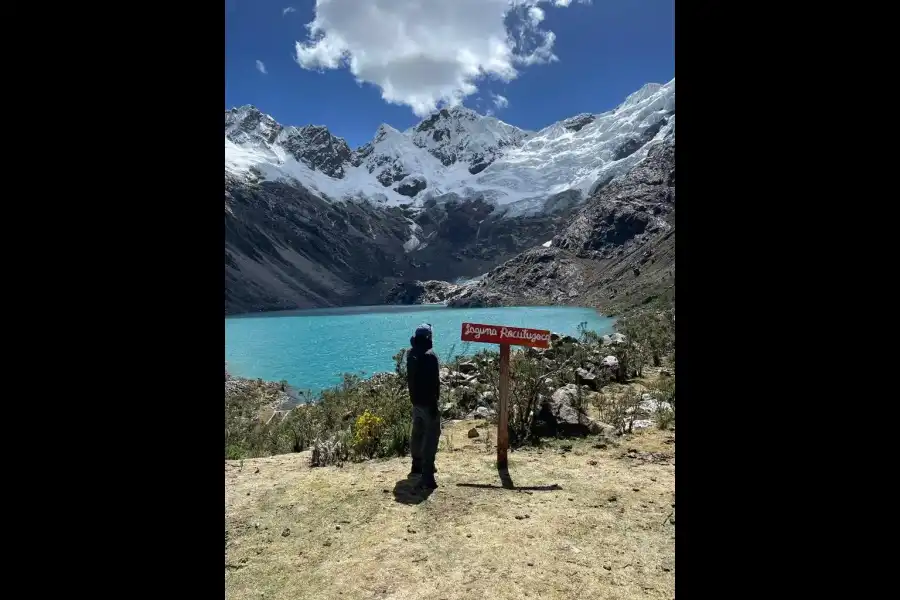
(355,532)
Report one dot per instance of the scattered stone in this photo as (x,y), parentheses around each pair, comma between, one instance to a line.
(610,362)
(468,535)
(519,517)
(592,462)
(248,493)
(530,564)
(607,567)
(635,489)
(256,471)
(585,377)
(467,367)
(612,499)
(326,543)
(571,499)
(286,532)
(481,412)
(653,479)
(565,447)
(408,530)
(337,527)
(558,414)
(386,491)
(473,433)
(600,446)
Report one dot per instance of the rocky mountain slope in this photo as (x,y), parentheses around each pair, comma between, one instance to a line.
(310,222)
(617,252)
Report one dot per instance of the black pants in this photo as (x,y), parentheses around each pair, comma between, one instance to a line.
(426,432)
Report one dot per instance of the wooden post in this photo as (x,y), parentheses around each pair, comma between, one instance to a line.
(503,417)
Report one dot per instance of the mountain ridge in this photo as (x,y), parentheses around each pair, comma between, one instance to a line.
(309,222)
(454,150)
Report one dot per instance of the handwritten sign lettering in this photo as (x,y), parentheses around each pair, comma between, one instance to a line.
(500,334)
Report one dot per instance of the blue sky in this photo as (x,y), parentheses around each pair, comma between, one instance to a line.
(605,50)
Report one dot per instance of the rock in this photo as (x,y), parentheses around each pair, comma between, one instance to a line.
(606,434)
(447,409)
(566,339)
(554,336)
(473,433)
(481,412)
(558,414)
(486,399)
(467,367)
(613,339)
(585,377)
(610,362)
(286,532)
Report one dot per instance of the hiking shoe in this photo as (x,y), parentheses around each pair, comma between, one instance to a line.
(428,483)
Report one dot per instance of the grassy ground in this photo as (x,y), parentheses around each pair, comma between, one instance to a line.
(605,529)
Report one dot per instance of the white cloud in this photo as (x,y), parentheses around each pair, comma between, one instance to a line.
(287,10)
(426,53)
(500,101)
(261,67)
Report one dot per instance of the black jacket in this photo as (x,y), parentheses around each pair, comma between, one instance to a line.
(423,374)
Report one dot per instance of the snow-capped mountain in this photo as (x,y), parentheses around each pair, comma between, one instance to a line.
(455,150)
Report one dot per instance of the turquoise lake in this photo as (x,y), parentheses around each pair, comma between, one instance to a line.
(311,349)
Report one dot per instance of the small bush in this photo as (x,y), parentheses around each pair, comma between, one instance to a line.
(332,451)
(367,433)
(618,408)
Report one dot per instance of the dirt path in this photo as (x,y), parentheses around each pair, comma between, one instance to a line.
(297,533)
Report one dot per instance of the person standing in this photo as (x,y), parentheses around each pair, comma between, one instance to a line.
(424,381)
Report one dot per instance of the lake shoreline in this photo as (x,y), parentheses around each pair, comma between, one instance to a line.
(314,353)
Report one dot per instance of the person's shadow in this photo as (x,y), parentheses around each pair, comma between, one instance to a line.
(407,491)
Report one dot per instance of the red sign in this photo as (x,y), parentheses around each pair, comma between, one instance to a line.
(499,334)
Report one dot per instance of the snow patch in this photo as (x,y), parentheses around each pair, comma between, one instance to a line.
(445,149)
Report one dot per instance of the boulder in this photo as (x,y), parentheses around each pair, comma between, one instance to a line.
(610,362)
(482,412)
(448,409)
(585,377)
(606,433)
(566,339)
(473,433)
(559,416)
(613,339)
(467,368)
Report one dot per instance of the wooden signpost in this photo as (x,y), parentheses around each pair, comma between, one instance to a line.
(505,336)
